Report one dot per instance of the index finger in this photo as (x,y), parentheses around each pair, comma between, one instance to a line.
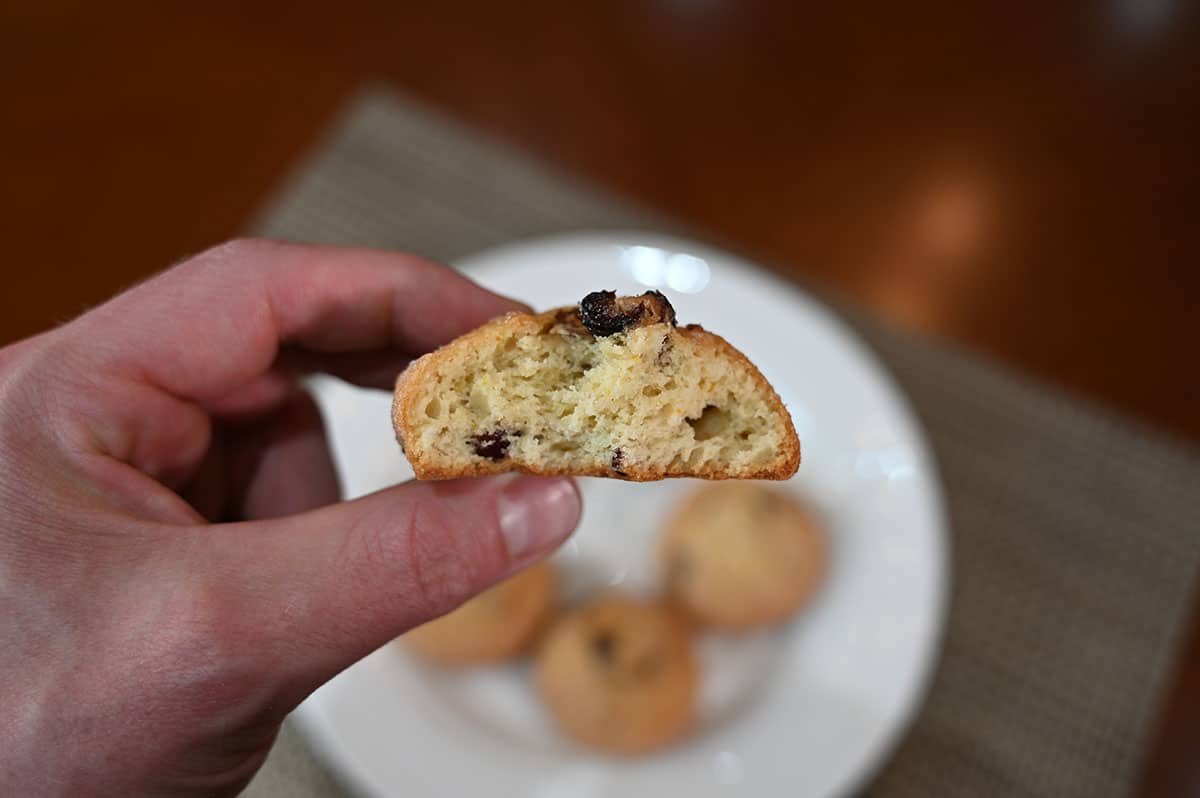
(216,321)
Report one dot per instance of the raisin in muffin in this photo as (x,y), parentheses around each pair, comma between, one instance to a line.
(619,674)
(610,388)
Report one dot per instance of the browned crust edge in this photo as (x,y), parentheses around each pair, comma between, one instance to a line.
(404,412)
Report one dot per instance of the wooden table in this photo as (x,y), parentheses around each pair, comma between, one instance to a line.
(1017,178)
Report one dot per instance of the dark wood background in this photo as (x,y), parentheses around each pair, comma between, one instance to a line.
(1019,178)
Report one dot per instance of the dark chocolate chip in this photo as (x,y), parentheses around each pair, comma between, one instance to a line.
(618,461)
(600,314)
(604,646)
(604,313)
(492,445)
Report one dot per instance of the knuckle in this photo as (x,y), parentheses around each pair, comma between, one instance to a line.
(210,648)
(228,259)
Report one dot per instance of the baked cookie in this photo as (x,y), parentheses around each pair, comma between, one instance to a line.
(498,624)
(612,388)
(742,554)
(619,674)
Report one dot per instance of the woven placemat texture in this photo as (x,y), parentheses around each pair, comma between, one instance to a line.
(1075,534)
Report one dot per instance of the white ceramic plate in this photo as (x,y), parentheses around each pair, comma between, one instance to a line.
(808,710)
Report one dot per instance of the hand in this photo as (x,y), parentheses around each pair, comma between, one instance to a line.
(147,651)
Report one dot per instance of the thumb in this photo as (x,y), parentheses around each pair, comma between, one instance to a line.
(321,589)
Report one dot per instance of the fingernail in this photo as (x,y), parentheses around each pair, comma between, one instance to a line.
(537,513)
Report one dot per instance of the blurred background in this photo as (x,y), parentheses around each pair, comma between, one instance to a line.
(1016,179)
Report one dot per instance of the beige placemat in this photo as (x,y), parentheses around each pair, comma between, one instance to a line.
(1076,535)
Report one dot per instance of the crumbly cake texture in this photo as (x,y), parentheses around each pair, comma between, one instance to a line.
(742,554)
(620,674)
(498,624)
(611,388)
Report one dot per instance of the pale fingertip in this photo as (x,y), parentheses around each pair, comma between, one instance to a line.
(536,514)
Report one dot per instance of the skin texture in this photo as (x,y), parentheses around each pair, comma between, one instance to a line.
(146,648)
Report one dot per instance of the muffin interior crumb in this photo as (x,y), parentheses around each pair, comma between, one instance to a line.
(645,397)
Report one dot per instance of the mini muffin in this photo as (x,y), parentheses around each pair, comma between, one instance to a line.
(739,555)
(498,624)
(619,674)
(612,388)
